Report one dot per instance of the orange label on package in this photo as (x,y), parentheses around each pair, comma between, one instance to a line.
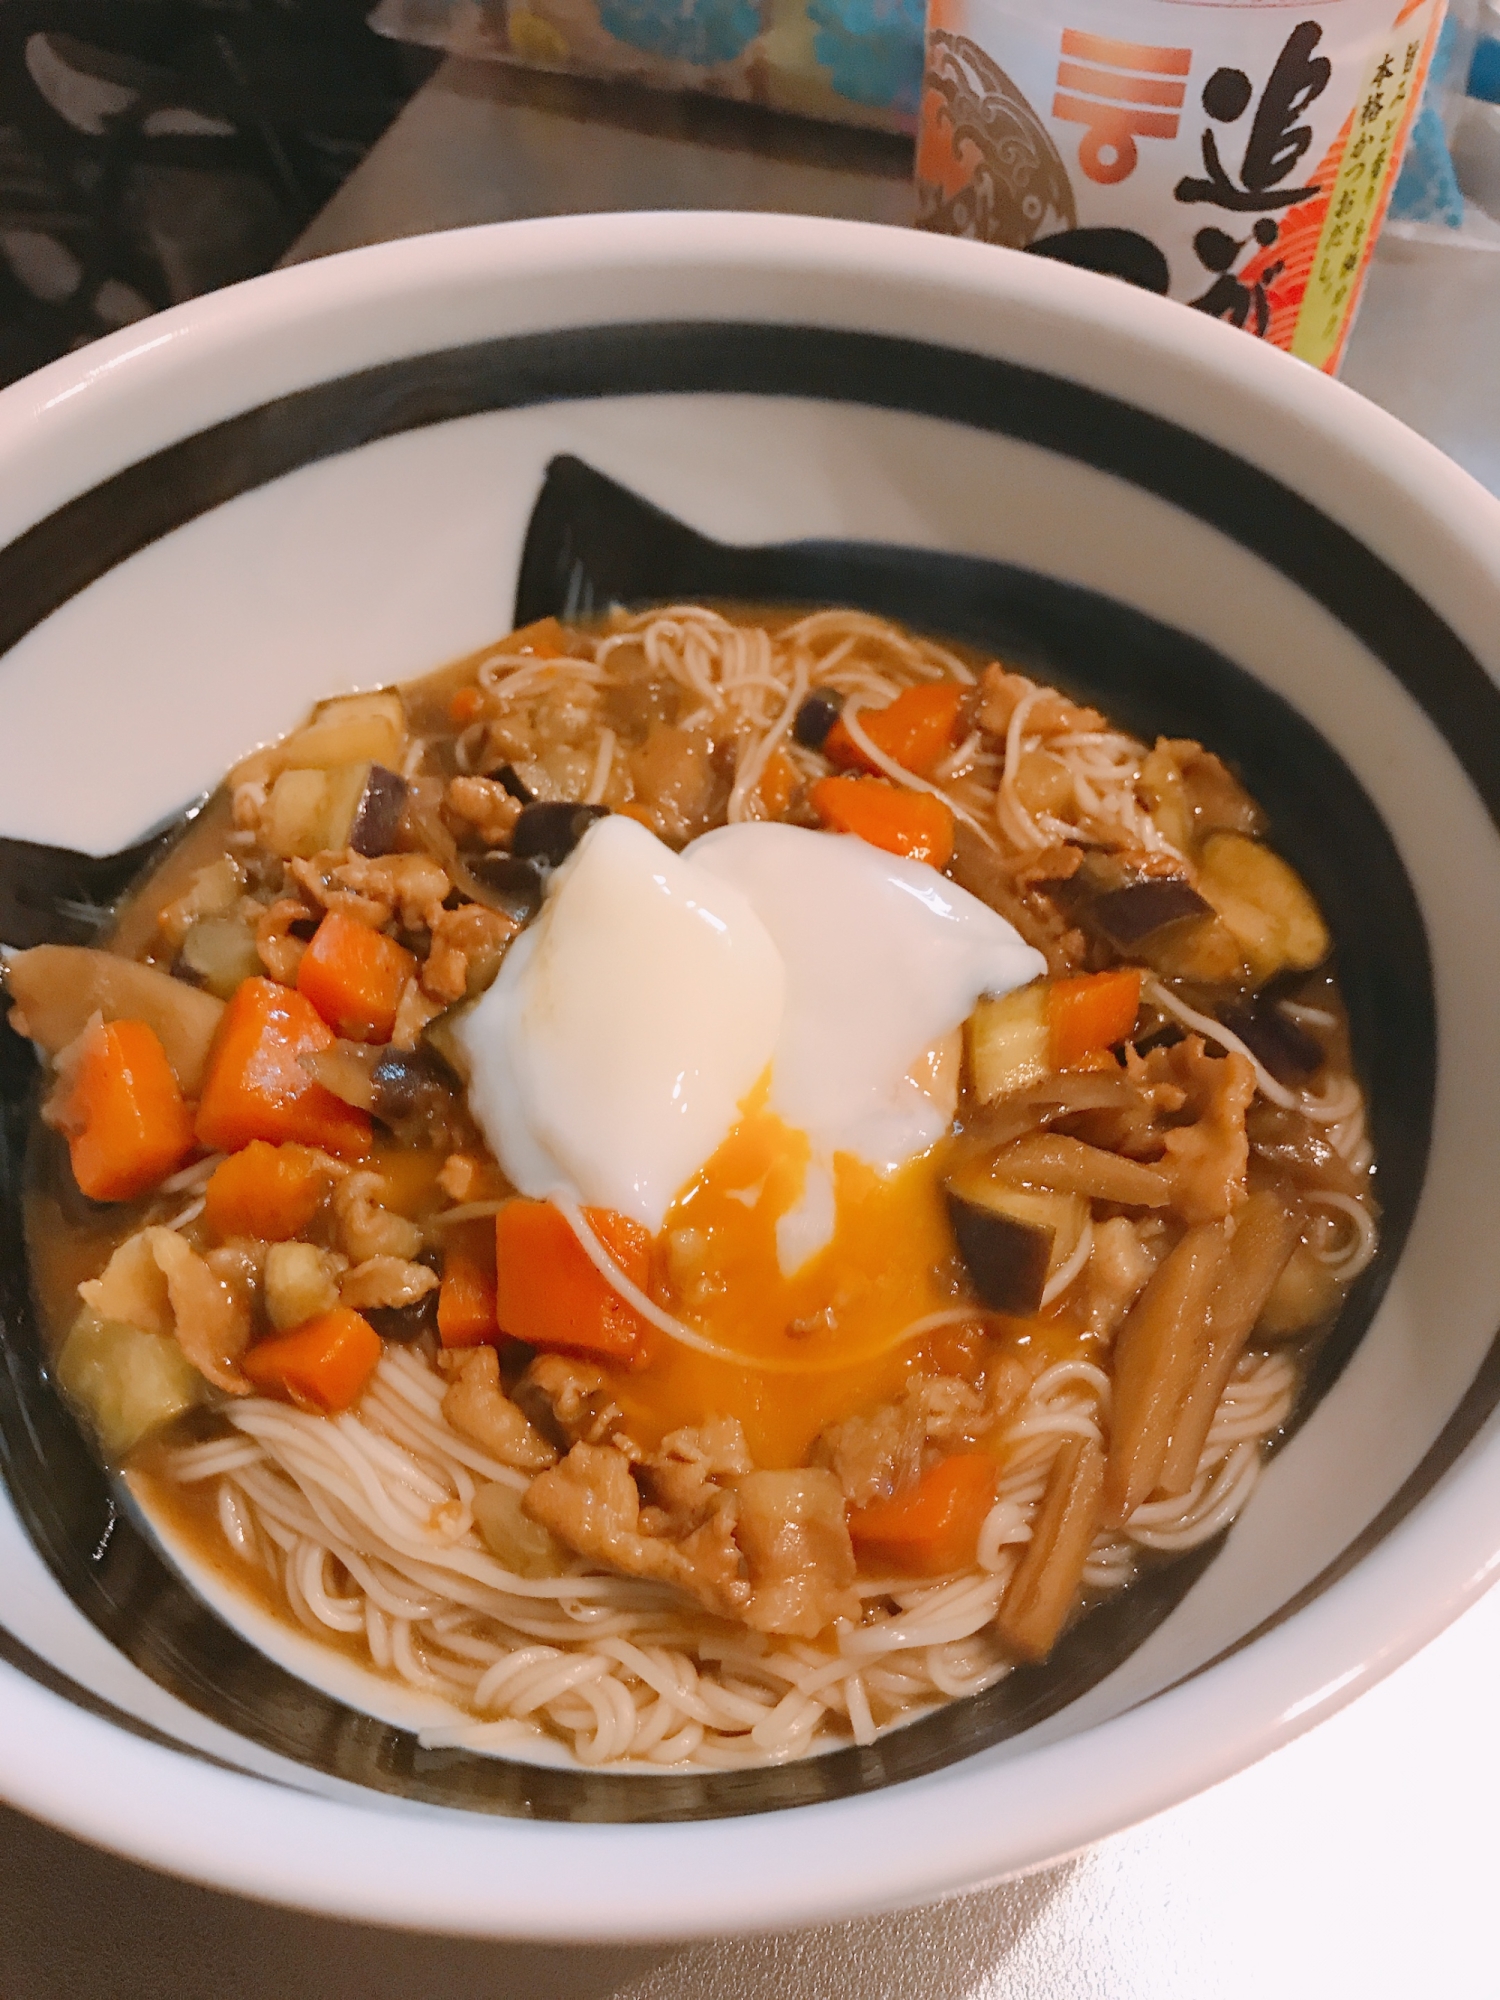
(1238,155)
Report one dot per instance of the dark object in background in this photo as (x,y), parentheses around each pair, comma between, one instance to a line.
(1117,253)
(152,150)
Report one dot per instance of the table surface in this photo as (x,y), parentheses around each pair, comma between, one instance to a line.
(1355,1861)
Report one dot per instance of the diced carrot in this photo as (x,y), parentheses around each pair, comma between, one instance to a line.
(256,1088)
(547,1290)
(544,637)
(911,823)
(1092,1013)
(466,707)
(125,1118)
(916,731)
(933,1528)
(268,1192)
(355,978)
(466,1302)
(322,1365)
(778,784)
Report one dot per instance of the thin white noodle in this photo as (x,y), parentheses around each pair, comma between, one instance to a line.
(236,1523)
(1014,819)
(194,1178)
(1072,1374)
(959,760)
(861,1722)
(1212,1030)
(1357,1256)
(208,1461)
(603,763)
(849,716)
(752,768)
(469,1211)
(1333,1106)
(1060,1280)
(1304,1016)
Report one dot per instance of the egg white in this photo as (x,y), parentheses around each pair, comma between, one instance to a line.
(614,1052)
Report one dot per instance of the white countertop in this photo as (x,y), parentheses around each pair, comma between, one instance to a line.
(1357,1861)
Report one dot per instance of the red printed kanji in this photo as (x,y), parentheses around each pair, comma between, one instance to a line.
(1111,87)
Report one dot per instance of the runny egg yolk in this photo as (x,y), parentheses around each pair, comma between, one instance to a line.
(838,1319)
(798,1221)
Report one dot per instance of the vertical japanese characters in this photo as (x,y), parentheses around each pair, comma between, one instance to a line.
(1233,156)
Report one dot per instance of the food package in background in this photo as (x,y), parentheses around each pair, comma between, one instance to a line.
(1449,191)
(858,62)
(1238,155)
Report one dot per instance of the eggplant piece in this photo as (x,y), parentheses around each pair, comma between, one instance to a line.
(1007,1256)
(311,811)
(315,811)
(58,986)
(444,1041)
(377,816)
(549,829)
(816,717)
(350,729)
(1163,923)
(348,1070)
(1156,920)
(1131,915)
(218,952)
(515,884)
(510,1535)
(125,1382)
(507,775)
(1011,1239)
(1009,1042)
(417,1095)
(296,814)
(1206,952)
(1289,1052)
(1265,904)
(1306,1294)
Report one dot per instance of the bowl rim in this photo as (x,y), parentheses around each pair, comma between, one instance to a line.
(467,1874)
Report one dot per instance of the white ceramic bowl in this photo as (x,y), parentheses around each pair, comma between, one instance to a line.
(322,479)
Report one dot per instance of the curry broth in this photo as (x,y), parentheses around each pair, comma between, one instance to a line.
(836,1325)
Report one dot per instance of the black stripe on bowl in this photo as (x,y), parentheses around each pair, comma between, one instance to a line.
(1149,675)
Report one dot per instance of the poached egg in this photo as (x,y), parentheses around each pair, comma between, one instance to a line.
(752,1049)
